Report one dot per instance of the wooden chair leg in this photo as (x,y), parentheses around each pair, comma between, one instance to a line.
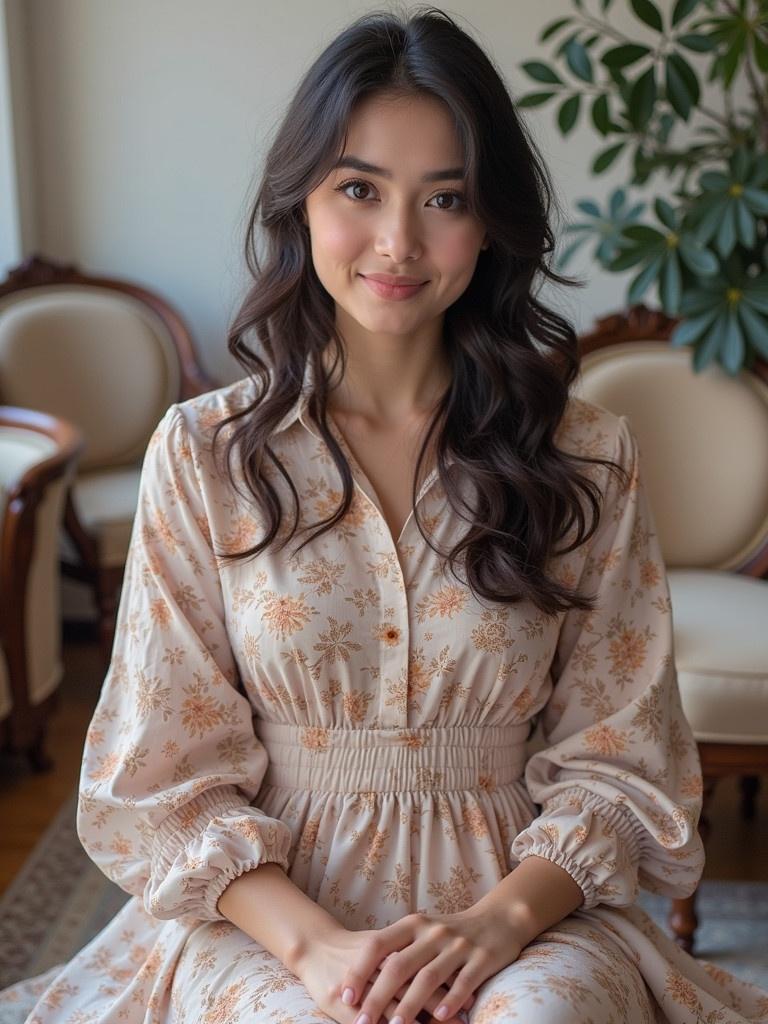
(683,920)
(37,755)
(106,593)
(750,787)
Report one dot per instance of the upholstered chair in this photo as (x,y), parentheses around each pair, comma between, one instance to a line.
(110,357)
(38,460)
(704,448)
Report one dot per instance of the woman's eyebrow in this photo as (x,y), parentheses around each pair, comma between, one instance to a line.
(356,164)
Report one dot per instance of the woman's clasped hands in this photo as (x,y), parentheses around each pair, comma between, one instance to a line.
(423,962)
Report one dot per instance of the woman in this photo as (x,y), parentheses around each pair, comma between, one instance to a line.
(308,764)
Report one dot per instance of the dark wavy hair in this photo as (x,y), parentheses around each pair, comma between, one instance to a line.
(513,359)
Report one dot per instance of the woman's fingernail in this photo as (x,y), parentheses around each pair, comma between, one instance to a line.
(348,996)
(397,1020)
(363,1019)
(441,1011)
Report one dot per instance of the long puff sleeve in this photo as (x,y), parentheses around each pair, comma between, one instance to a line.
(619,778)
(171,762)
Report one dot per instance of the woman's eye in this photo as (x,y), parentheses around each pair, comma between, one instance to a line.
(449,201)
(450,196)
(353,185)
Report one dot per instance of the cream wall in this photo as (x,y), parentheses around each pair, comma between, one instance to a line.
(140,125)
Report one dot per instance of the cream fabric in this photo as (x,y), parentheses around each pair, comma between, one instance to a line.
(721,645)
(96,358)
(105,502)
(20,449)
(354,713)
(704,439)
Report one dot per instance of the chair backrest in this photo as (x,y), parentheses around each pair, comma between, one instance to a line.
(704,445)
(38,458)
(105,355)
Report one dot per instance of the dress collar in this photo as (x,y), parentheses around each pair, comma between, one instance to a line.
(297,409)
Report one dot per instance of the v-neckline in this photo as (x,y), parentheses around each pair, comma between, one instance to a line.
(363,481)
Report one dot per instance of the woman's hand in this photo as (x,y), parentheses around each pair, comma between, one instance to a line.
(424,954)
(323,965)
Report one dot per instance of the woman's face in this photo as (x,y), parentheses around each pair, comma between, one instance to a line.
(403,214)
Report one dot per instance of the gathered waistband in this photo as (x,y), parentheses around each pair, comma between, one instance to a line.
(355,760)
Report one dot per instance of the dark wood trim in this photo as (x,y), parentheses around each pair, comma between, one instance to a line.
(24,727)
(39,271)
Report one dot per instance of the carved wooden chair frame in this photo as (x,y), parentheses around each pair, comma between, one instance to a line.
(38,271)
(23,729)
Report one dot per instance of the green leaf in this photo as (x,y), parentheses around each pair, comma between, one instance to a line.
(601,117)
(616,201)
(733,344)
(645,235)
(755,328)
(711,220)
(677,92)
(757,199)
(701,261)
(682,9)
(642,99)
(746,228)
(759,174)
(534,99)
(726,233)
(730,60)
(757,298)
(648,13)
(697,301)
(604,159)
(665,212)
(589,207)
(541,72)
(553,28)
(708,347)
(623,56)
(714,181)
(697,43)
(687,331)
(644,280)
(568,112)
(740,163)
(627,258)
(578,60)
(687,75)
(761,52)
(670,284)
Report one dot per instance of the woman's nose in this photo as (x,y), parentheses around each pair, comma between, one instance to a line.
(398,234)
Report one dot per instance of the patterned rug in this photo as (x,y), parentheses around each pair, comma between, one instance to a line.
(60,900)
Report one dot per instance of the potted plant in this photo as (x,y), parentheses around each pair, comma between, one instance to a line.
(707,247)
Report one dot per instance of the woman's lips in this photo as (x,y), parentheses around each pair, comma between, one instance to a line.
(392,291)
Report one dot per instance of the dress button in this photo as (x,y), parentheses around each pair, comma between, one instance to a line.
(390,634)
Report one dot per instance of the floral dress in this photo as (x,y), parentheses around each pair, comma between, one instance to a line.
(353,713)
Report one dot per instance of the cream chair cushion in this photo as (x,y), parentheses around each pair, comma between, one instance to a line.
(703,442)
(721,652)
(106,506)
(19,450)
(102,360)
(704,439)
